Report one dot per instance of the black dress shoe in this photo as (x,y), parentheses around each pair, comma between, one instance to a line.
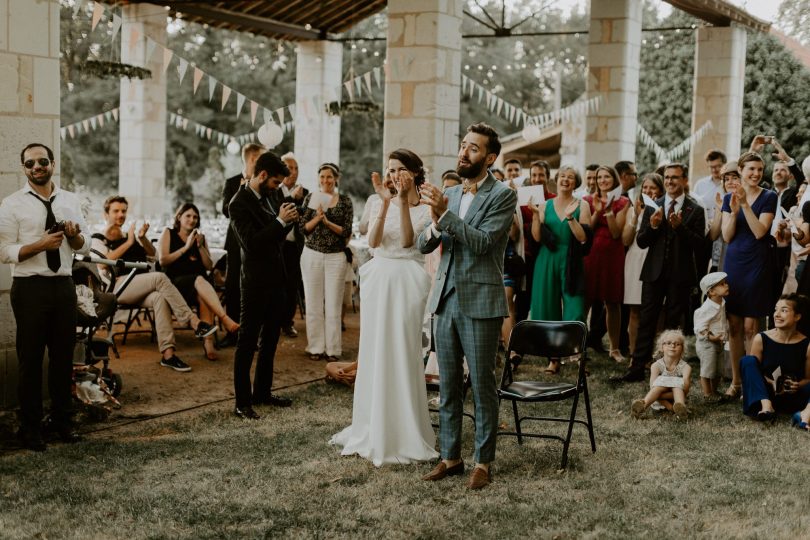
(228,341)
(32,440)
(275,400)
(629,376)
(246,413)
(64,431)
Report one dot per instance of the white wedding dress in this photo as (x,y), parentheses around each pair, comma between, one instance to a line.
(390,421)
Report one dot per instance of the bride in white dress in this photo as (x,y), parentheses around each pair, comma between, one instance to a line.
(390,421)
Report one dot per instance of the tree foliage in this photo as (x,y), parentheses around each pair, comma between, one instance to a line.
(794,19)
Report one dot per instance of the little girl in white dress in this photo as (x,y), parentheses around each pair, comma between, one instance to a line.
(670,377)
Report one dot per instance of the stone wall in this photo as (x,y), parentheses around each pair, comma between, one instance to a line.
(29,112)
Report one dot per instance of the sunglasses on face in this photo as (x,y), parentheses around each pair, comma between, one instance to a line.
(43,162)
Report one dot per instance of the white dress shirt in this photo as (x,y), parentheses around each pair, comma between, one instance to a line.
(678,204)
(466,201)
(22,222)
(711,317)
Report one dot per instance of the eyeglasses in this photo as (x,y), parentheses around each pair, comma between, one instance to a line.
(43,162)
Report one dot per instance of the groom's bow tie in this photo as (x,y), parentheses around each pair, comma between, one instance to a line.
(470,187)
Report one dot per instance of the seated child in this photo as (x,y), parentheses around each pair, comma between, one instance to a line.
(670,377)
(711,331)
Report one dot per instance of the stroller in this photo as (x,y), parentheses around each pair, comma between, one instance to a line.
(97,387)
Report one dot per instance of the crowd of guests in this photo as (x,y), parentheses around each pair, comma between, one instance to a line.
(635,259)
(643,262)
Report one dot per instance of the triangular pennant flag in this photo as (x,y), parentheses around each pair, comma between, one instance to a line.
(93,123)
(86,126)
(280,114)
(98,11)
(463,84)
(267,116)
(253,108)
(185,124)
(500,106)
(78,4)
(167,58)
(367,79)
(377,76)
(63,133)
(226,93)
(115,114)
(182,67)
(196,78)
(100,118)
(240,102)
(212,84)
(108,116)
(116,25)
(349,90)
(480,93)
(358,84)
(70,130)
(291,111)
(172,118)
(151,47)
(208,132)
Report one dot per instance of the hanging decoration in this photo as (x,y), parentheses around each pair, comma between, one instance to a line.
(677,151)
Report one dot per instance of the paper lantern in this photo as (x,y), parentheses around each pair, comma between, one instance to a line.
(270,134)
(233,147)
(531,133)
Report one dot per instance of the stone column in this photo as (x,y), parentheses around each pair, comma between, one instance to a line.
(614,48)
(142,140)
(423,81)
(717,93)
(29,112)
(319,79)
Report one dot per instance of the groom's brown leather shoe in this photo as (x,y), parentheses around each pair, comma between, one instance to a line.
(441,470)
(479,478)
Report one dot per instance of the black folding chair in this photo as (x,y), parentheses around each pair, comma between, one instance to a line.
(547,339)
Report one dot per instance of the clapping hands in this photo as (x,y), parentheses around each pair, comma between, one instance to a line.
(381,191)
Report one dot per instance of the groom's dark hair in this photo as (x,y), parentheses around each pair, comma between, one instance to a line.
(493,142)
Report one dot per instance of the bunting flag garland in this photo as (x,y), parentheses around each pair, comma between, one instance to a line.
(196,78)
(677,151)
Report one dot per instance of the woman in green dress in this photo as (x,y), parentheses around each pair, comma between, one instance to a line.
(561,226)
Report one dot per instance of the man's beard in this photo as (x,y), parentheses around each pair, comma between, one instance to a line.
(470,171)
(40,181)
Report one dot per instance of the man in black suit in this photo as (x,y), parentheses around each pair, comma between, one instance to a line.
(669,270)
(260,231)
(291,191)
(250,152)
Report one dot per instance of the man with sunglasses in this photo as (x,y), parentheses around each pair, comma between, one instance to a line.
(40,229)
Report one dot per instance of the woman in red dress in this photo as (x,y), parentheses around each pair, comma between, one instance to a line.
(604,265)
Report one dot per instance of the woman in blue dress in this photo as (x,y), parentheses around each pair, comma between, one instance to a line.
(748,211)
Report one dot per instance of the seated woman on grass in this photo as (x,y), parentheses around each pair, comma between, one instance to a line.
(670,377)
(776,375)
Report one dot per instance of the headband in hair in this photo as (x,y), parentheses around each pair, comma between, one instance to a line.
(331,166)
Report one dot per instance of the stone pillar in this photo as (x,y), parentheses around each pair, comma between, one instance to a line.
(319,79)
(423,81)
(29,112)
(717,93)
(614,48)
(142,139)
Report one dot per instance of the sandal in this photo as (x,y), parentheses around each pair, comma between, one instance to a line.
(732,392)
(553,367)
(616,356)
(766,416)
(799,423)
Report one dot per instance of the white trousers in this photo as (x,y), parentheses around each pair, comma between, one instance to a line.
(324,279)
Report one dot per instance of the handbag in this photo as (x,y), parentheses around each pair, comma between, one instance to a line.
(514,265)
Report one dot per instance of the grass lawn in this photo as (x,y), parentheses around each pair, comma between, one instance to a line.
(206,474)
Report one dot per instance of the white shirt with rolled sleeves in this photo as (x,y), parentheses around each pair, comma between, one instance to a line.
(22,222)
(711,317)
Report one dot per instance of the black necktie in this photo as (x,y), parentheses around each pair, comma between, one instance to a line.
(54,260)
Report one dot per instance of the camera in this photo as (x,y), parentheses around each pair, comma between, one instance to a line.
(59,226)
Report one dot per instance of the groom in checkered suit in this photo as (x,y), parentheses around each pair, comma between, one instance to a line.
(470,222)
